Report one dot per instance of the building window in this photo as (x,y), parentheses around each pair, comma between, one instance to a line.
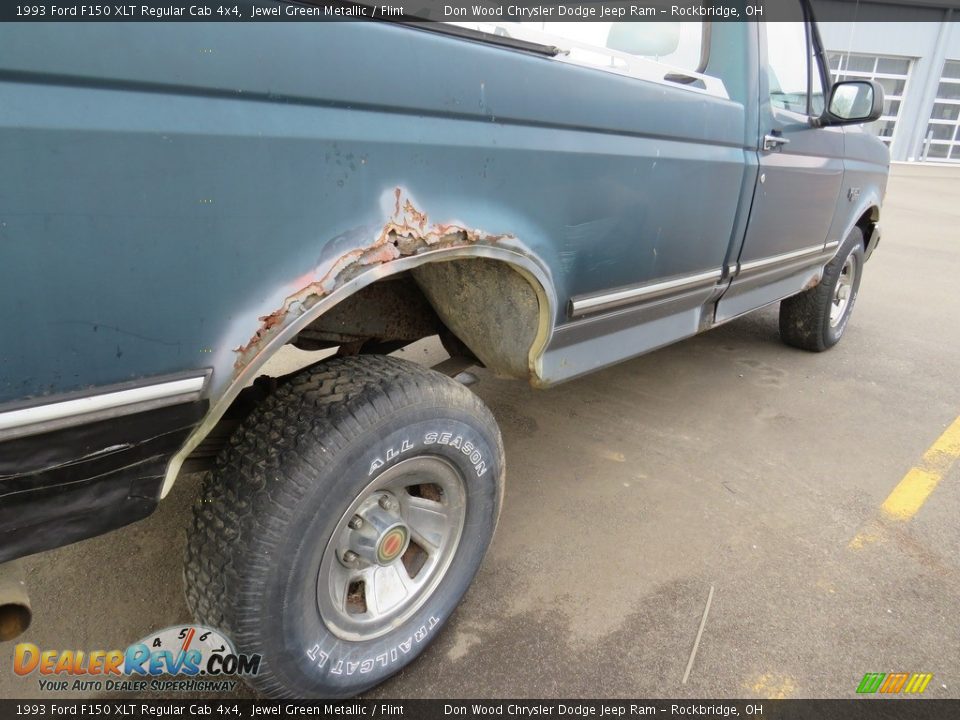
(891,72)
(942,141)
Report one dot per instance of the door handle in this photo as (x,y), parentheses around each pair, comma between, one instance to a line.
(774,141)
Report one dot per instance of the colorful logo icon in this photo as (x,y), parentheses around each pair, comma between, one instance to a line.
(892,683)
(179,650)
(392,544)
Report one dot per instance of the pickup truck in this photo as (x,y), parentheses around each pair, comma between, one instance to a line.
(180,201)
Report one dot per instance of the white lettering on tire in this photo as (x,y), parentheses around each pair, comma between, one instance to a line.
(384,659)
(392,454)
(467,448)
(317,655)
(392,655)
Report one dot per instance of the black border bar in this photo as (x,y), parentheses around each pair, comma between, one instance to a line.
(472,10)
(856,708)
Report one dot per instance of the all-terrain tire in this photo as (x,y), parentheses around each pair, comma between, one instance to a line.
(267,513)
(805,319)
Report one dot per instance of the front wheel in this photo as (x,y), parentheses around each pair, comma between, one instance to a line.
(816,318)
(344,523)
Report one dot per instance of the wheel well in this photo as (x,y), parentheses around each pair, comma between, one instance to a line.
(378,318)
(481,307)
(490,306)
(866,222)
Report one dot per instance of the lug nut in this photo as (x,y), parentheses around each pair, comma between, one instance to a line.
(356,522)
(388,503)
(349,556)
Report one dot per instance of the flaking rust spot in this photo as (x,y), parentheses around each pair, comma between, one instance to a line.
(407,232)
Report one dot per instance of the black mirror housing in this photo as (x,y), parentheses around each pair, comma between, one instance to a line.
(853,102)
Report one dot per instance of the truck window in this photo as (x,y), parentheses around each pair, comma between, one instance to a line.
(791,61)
(680,45)
(677,52)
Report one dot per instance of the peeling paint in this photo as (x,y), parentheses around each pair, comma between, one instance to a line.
(407,232)
(813,281)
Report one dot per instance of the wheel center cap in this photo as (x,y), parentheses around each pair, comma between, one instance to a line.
(392,544)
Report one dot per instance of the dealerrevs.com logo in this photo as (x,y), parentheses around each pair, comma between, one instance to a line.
(198,658)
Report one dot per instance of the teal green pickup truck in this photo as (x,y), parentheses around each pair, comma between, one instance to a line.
(180,201)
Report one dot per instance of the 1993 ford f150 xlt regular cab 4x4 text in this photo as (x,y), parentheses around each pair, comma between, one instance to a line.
(179,201)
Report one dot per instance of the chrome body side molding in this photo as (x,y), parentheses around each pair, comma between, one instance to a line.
(588,304)
(759,282)
(99,404)
(794,257)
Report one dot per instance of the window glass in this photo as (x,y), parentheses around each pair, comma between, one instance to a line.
(892,86)
(942,111)
(679,44)
(951,69)
(883,128)
(861,63)
(789,56)
(949,91)
(945,118)
(942,132)
(818,102)
(787,65)
(893,66)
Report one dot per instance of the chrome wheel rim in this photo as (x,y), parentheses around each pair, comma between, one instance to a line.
(843,292)
(391,548)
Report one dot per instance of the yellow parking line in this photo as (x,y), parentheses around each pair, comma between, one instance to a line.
(915,487)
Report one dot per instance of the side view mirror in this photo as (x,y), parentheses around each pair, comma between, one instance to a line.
(853,102)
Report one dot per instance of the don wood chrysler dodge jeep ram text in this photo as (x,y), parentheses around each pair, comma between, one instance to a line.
(548,204)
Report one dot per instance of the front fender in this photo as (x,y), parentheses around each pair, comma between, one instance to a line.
(407,240)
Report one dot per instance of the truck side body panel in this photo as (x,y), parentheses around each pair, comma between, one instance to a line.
(174,196)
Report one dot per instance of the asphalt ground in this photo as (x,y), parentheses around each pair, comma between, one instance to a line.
(728,461)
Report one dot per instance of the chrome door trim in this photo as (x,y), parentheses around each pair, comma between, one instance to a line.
(581,305)
(78,408)
(789,258)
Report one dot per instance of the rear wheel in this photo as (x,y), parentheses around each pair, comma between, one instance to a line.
(344,522)
(816,318)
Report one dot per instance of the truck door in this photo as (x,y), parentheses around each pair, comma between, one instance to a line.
(801,171)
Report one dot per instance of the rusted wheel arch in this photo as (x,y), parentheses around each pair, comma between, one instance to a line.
(438,282)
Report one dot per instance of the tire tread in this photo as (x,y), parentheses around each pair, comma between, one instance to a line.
(246,501)
(804,317)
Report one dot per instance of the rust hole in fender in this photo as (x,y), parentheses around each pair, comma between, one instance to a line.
(408,232)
